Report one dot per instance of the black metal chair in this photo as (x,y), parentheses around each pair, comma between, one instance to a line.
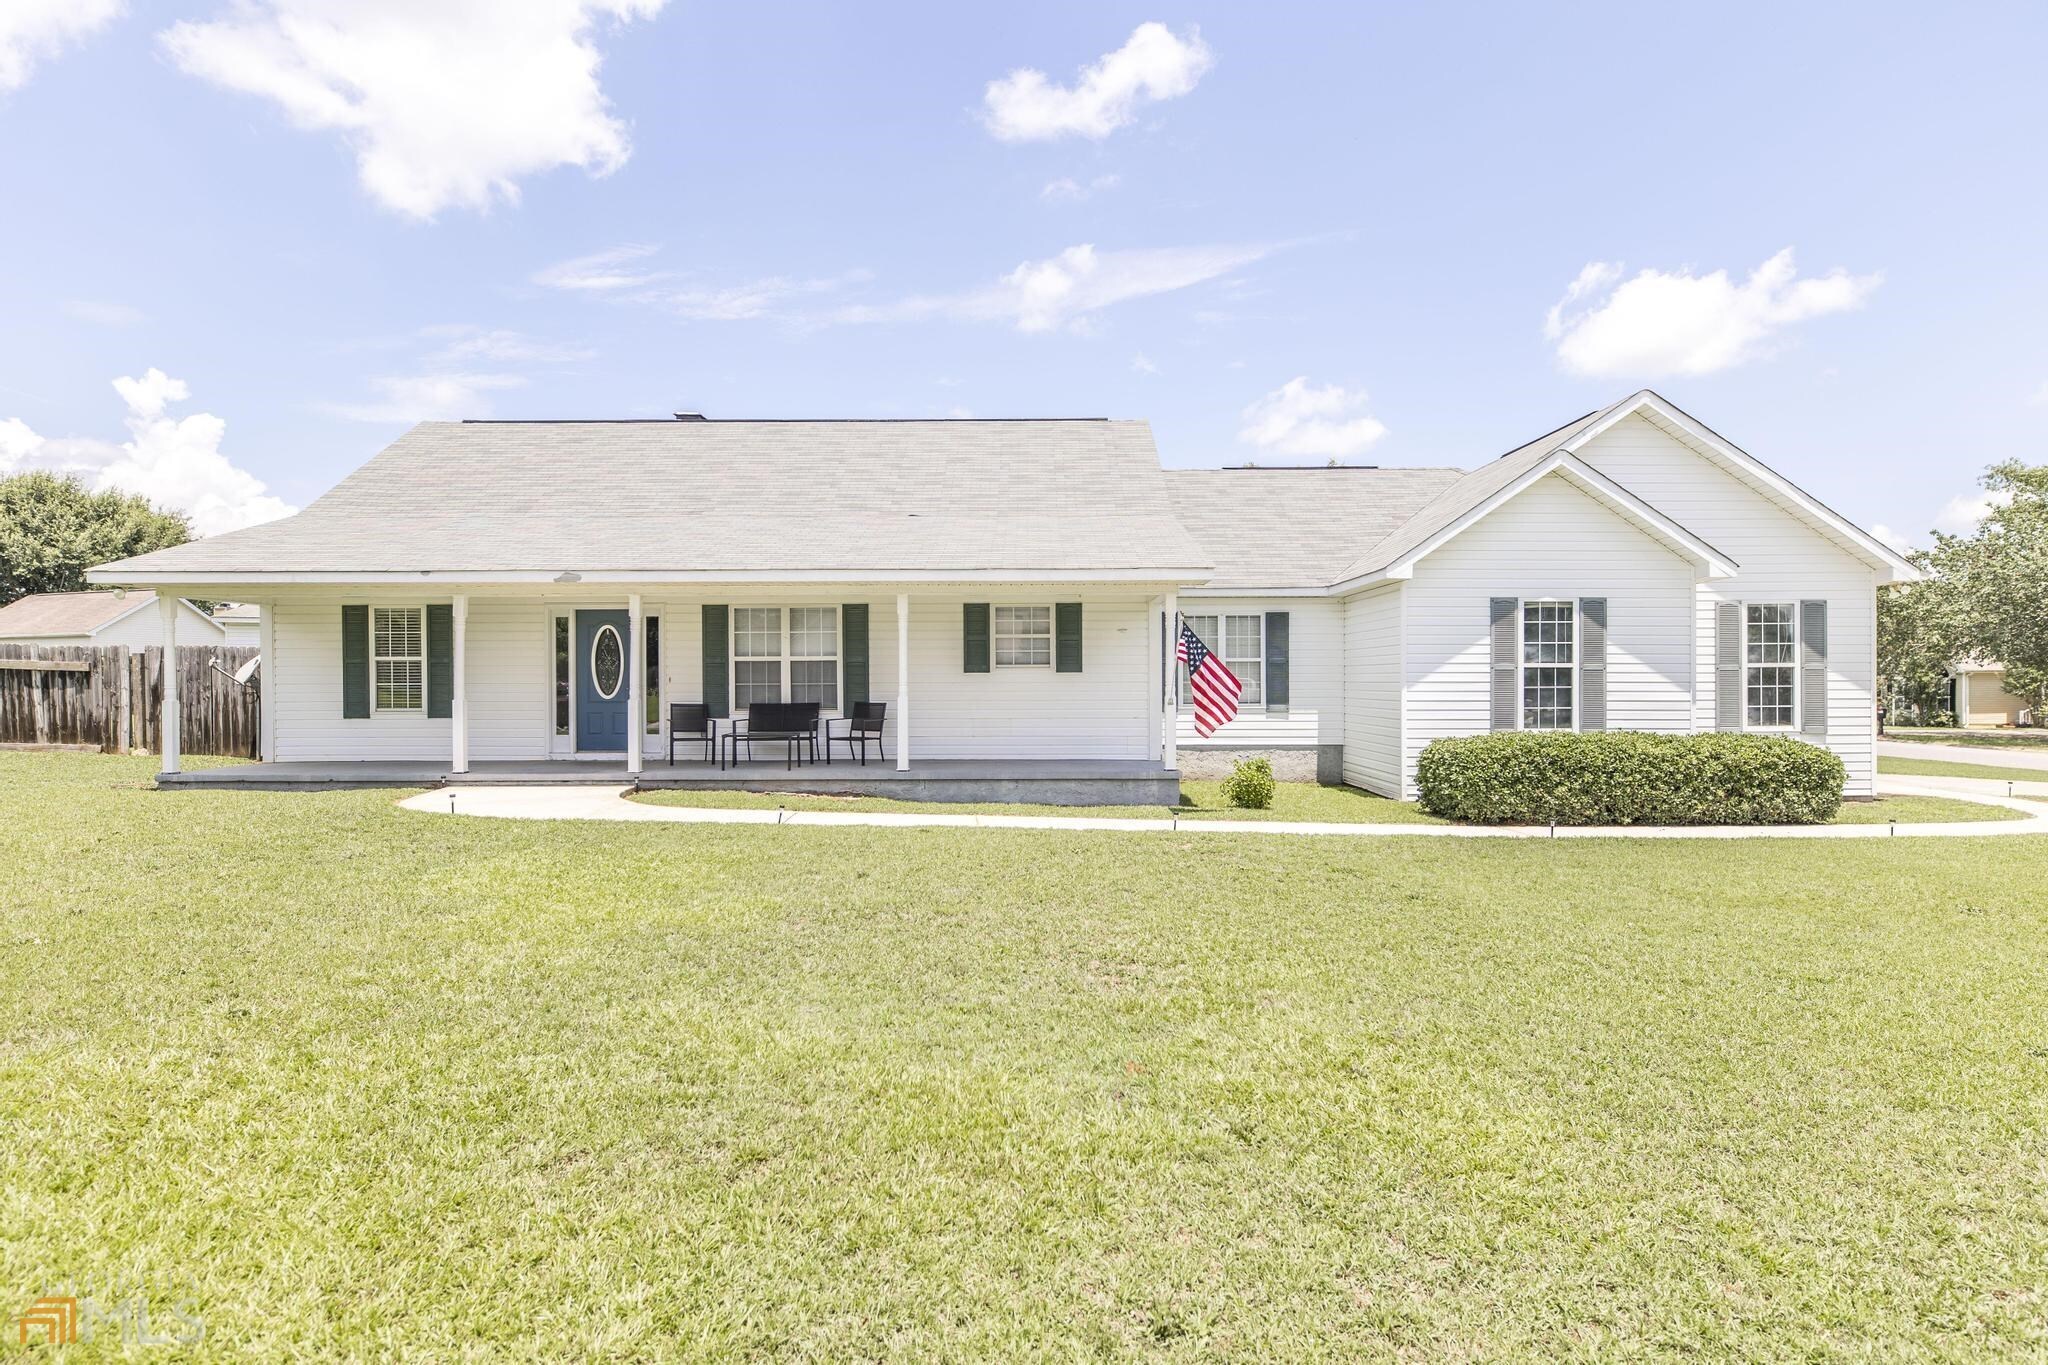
(863,727)
(794,723)
(691,721)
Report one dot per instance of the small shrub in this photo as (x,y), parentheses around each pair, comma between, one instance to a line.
(1250,784)
(1630,778)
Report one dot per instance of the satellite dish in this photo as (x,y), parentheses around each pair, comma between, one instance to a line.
(248,670)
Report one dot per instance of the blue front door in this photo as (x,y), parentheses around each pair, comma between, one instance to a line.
(603,658)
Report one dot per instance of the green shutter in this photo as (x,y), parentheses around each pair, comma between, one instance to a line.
(355,663)
(441,661)
(853,649)
(974,637)
(1066,637)
(1276,660)
(717,660)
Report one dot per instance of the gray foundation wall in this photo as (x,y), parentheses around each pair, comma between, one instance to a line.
(1306,763)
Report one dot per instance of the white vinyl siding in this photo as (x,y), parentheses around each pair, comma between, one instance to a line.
(1780,558)
(1372,690)
(1551,542)
(1314,714)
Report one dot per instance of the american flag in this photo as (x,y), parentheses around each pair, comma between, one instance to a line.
(1215,687)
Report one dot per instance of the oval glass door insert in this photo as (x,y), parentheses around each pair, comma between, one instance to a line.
(607,662)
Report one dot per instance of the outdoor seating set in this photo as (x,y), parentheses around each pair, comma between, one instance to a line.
(795,725)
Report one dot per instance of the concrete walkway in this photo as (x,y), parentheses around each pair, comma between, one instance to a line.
(608,803)
(1985,755)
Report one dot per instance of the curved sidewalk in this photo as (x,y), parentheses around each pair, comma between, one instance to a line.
(609,803)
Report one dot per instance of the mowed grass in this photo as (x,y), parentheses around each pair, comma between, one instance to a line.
(2010,739)
(1940,767)
(365,1083)
(1291,801)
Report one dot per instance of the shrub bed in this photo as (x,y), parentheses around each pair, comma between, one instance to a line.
(1250,784)
(1626,777)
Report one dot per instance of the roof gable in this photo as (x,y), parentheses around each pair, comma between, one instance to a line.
(77,613)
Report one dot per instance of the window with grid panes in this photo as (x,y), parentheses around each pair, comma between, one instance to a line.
(1549,655)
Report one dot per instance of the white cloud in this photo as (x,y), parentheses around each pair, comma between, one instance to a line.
(438,397)
(465,344)
(447,103)
(32,31)
(104,314)
(1300,419)
(601,270)
(1143,364)
(1661,323)
(775,296)
(1897,540)
(1065,290)
(1960,515)
(1154,64)
(2040,396)
(1066,189)
(175,462)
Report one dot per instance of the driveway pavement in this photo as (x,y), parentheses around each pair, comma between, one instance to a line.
(1989,755)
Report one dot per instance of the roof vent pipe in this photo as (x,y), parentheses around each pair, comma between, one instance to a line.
(690,417)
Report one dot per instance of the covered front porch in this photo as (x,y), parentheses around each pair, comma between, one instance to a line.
(1048,782)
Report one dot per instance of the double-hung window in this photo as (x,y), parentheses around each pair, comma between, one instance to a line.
(1022,636)
(1240,642)
(1770,664)
(785,652)
(399,657)
(1549,658)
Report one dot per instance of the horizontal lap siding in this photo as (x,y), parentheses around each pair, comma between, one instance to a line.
(1315,711)
(1780,559)
(507,681)
(1372,690)
(1551,541)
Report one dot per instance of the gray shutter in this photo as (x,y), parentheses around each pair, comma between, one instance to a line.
(441,661)
(718,660)
(1276,661)
(853,651)
(1727,665)
(974,637)
(1592,663)
(1501,616)
(1066,637)
(1813,668)
(355,663)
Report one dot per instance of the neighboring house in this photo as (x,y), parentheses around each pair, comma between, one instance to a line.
(100,618)
(536,590)
(1977,696)
(243,622)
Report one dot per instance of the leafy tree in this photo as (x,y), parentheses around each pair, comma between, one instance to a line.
(1985,596)
(52,530)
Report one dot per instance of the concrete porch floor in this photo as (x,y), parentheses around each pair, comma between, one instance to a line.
(1055,782)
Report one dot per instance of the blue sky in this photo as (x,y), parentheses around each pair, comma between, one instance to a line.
(1280,233)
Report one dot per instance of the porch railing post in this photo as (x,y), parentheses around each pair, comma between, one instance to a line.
(1169,749)
(458,710)
(636,702)
(266,679)
(902,682)
(167,612)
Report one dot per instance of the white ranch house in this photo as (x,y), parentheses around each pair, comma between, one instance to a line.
(522,601)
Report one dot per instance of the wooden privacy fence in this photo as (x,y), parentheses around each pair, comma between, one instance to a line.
(112,698)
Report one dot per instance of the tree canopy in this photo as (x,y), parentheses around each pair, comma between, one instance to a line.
(52,529)
(1985,595)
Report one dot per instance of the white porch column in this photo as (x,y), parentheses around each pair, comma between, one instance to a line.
(266,676)
(1155,673)
(1169,749)
(636,673)
(167,612)
(902,682)
(458,711)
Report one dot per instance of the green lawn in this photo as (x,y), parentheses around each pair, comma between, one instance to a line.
(1940,767)
(2013,739)
(1291,801)
(366,1083)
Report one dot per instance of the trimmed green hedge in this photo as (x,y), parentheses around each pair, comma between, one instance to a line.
(1625,777)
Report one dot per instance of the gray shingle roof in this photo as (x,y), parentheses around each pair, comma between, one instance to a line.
(1272,528)
(956,496)
(67,613)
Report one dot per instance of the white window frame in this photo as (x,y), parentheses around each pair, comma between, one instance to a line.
(1790,665)
(377,706)
(996,634)
(1522,665)
(786,658)
(1220,647)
